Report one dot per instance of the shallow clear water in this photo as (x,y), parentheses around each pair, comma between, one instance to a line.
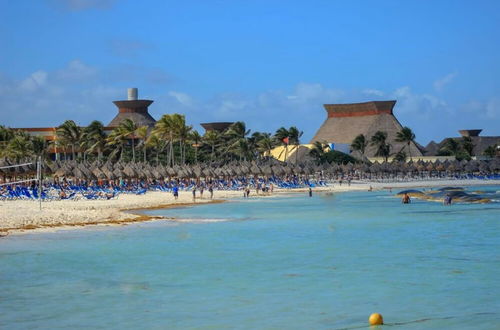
(290,262)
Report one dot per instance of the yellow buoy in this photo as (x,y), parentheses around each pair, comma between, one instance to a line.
(376,319)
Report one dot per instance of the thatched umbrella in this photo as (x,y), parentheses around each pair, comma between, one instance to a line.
(118,173)
(268,170)
(129,172)
(440,167)
(374,168)
(255,170)
(494,165)
(98,173)
(197,171)
(171,172)
(207,172)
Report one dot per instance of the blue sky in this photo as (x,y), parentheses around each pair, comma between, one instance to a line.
(268,63)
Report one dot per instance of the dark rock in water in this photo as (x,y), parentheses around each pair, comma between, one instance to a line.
(450,188)
(411,192)
(457,194)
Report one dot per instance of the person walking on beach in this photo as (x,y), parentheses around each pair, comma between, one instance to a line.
(211,191)
(194,193)
(175,191)
(447,199)
(310,192)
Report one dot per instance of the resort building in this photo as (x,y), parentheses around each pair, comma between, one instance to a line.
(480,143)
(217,126)
(134,109)
(346,121)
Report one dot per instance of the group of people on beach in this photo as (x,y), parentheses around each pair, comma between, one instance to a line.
(200,188)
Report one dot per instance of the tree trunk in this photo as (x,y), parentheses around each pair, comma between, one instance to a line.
(180,153)
(172,149)
(133,150)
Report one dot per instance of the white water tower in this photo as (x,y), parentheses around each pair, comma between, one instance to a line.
(132,94)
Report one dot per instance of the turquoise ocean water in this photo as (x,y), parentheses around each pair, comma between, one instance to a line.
(291,262)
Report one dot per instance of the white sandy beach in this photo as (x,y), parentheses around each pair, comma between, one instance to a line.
(21,215)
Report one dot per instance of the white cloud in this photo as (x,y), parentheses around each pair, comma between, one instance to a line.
(35,81)
(493,108)
(81,92)
(489,109)
(76,71)
(47,98)
(182,98)
(306,92)
(374,92)
(421,104)
(440,83)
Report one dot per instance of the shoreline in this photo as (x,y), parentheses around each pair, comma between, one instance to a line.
(21,216)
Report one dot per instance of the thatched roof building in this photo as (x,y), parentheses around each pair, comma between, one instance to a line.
(134,109)
(480,143)
(346,121)
(220,126)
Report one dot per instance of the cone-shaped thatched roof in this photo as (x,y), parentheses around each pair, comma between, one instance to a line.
(346,121)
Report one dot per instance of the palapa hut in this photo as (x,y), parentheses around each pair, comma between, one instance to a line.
(134,109)
(346,121)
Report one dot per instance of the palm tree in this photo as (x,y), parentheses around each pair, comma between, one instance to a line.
(491,151)
(359,143)
(165,129)
(127,128)
(238,143)
(39,145)
(467,144)
(406,136)
(117,138)
(265,144)
(282,136)
(383,148)
(158,144)
(450,147)
(95,138)
(142,134)
(195,138)
(70,134)
(18,147)
(181,133)
(294,136)
(6,134)
(213,139)
(318,150)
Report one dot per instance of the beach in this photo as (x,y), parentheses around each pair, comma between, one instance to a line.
(19,216)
